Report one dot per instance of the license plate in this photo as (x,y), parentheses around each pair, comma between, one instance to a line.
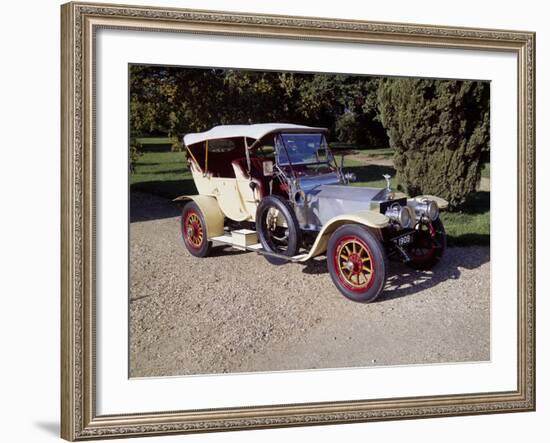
(404,240)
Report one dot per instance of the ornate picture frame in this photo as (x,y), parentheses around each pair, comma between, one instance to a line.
(79,419)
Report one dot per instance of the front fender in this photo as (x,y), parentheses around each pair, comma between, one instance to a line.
(210,208)
(441,202)
(372,220)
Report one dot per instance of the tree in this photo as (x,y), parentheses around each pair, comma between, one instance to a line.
(346,104)
(440,132)
(172,101)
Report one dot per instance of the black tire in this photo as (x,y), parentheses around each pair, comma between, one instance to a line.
(194,231)
(354,246)
(425,253)
(279,240)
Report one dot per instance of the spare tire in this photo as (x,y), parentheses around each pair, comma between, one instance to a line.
(277,228)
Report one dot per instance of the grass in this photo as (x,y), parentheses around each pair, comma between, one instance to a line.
(166,174)
(156,144)
(467,229)
(156,140)
(362,149)
(486,170)
(162,173)
(369,175)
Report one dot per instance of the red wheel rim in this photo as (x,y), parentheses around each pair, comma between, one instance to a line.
(193,231)
(354,264)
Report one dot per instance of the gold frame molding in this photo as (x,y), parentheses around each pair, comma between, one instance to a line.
(79,21)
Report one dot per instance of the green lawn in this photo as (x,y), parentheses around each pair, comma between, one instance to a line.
(156,140)
(362,149)
(469,228)
(486,170)
(369,175)
(162,173)
(166,174)
(156,144)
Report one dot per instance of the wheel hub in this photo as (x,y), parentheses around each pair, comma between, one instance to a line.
(354,263)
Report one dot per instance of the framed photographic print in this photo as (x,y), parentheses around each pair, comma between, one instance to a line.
(282,221)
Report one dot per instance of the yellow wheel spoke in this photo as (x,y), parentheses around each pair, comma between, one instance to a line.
(353,251)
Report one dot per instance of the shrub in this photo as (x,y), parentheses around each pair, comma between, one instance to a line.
(177,146)
(135,153)
(439,130)
(347,128)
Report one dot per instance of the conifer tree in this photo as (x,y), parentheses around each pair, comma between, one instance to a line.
(440,133)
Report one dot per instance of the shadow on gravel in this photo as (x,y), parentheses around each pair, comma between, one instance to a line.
(403,280)
(220,251)
(168,189)
(145,207)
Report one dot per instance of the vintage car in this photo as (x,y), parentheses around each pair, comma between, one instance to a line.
(278,190)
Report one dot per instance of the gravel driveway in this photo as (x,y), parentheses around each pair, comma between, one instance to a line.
(234,312)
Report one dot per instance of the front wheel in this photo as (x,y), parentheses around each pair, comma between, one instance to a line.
(357,263)
(429,244)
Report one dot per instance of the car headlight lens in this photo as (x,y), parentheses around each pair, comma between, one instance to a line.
(405,218)
(400,214)
(427,208)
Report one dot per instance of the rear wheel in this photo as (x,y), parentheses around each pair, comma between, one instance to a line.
(357,263)
(193,230)
(278,229)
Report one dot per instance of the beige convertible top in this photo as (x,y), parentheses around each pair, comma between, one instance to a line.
(256,131)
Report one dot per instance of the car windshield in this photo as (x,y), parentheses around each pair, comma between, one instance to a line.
(301,149)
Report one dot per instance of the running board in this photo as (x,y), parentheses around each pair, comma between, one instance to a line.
(227,239)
